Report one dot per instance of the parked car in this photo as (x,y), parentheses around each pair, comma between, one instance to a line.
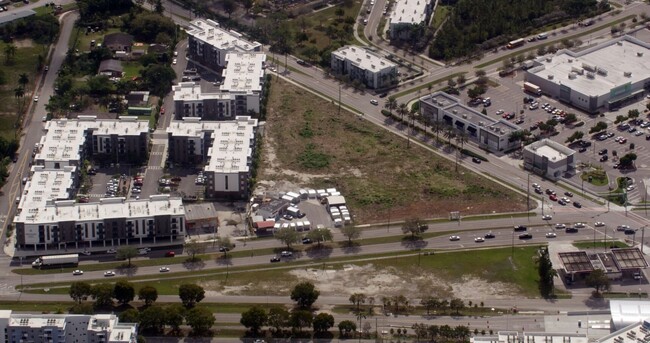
(374,102)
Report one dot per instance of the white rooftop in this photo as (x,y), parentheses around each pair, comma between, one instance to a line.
(597,70)
(627,312)
(47,185)
(190,91)
(35,321)
(408,12)
(64,137)
(550,149)
(211,33)
(638,332)
(244,72)
(231,146)
(363,58)
(107,208)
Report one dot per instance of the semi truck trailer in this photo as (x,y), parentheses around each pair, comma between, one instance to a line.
(56,261)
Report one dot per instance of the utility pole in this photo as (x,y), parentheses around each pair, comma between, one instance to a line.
(528,198)
(339,99)
(642,237)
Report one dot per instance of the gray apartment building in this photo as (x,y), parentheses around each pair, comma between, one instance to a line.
(364,66)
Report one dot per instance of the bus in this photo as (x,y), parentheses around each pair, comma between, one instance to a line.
(515,43)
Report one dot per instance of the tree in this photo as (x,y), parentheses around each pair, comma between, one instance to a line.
(103,294)
(346,327)
(323,322)
(577,135)
(357,299)
(412,226)
(300,319)
(193,248)
(600,126)
(598,281)
(620,118)
(278,318)
(633,114)
(351,232)
(130,316)
(228,7)
(200,319)
(225,244)
(23,80)
(570,118)
(287,236)
(152,319)
(546,273)
(10,53)
(80,291)
(253,319)
(320,235)
(480,73)
(305,294)
(461,79)
(174,316)
(191,294)
(148,294)
(628,160)
(123,292)
(421,330)
(437,127)
(449,133)
(391,104)
(158,78)
(126,253)
(457,305)
(429,303)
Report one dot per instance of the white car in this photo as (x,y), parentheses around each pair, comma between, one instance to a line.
(109,273)
(374,102)
(630,188)
(479,240)
(286,254)
(164,269)
(36,98)
(454,238)
(175,53)
(551,235)
(78,272)
(111,251)
(580,225)
(174,61)
(535,185)
(560,226)
(599,224)
(547,217)
(622,227)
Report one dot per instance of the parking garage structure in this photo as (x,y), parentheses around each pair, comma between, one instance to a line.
(489,133)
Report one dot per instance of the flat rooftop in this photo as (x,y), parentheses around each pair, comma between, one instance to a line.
(35,321)
(231,146)
(628,312)
(409,12)
(244,72)
(576,261)
(200,211)
(597,70)
(549,149)
(191,91)
(106,208)
(210,32)
(364,59)
(46,186)
(64,138)
(629,258)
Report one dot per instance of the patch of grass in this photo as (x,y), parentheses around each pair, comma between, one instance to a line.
(24,61)
(36,307)
(598,177)
(131,69)
(436,83)
(572,37)
(372,167)
(600,244)
(83,40)
(439,16)
(491,265)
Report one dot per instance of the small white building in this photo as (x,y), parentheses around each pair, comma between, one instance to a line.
(363,65)
(549,159)
(406,15)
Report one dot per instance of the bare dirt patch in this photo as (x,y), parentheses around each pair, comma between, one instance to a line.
(307,143)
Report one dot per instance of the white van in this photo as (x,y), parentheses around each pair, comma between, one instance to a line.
(542,35)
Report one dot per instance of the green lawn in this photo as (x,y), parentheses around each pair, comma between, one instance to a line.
(83,40)
(491,265)
(24,61)
(439,16)
(598,177)
(131,69)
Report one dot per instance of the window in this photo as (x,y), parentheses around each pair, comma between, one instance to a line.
(226,182)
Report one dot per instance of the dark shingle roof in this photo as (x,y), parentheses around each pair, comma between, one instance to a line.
(119,38)
(111,65)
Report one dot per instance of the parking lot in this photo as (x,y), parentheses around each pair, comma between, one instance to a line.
(508,97)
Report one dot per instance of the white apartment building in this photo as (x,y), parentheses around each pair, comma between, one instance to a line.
(65,328)
(604,77)
(406,14)
(363,65)
(549,159)
(225,148)
(209,43)
(240,92)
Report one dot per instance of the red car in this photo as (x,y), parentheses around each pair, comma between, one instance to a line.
(553,197)
(170,254)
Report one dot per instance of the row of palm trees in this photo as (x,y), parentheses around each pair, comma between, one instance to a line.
(448,131)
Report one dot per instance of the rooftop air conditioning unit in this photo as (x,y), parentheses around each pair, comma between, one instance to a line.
(454,111)
(572,76)
(579,71)
(481,123)
(619,43)
(627,73)
(549,59)
(550,76)
(639,54)
(465,115)
(590,75)
(570,60)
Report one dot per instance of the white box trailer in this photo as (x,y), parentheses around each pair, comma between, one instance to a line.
(56,261)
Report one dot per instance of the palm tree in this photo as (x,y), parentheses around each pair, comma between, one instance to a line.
(10,52)
(437,127)
(19,92)
(403,109)
(461,138)
(449,133)
(391,104)
(23,80)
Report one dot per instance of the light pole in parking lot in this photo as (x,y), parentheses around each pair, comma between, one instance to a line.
(528,198)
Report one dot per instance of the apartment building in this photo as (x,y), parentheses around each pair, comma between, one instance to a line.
(490,133)
(239,94)
(209,43)
(65,328)
(363,65)
(224,148)
(407,15)
(111,222)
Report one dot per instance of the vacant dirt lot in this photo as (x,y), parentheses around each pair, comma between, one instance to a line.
(308,144)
